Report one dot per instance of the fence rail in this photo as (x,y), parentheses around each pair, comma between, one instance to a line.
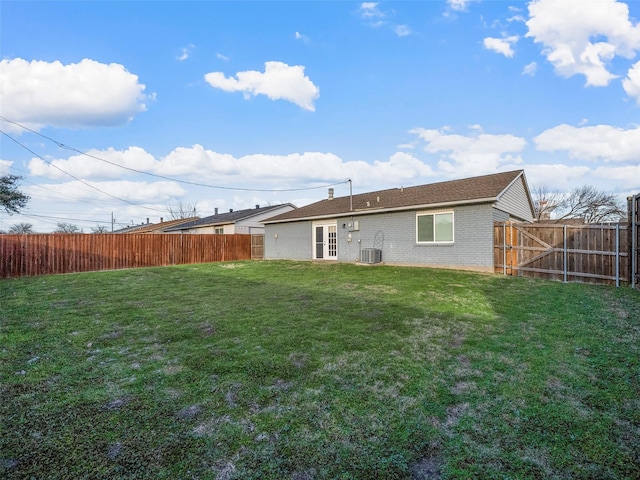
(36,254)
(570,253)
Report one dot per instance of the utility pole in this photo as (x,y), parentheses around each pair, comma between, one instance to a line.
(112,222)
(350,196)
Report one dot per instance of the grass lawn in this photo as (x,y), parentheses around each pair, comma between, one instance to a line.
(286,370)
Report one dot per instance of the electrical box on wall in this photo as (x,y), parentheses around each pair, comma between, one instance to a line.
(356,226)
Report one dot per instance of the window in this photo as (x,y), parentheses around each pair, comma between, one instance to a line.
(218,230)
(434,228)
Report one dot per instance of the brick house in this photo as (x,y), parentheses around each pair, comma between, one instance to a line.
(447,224)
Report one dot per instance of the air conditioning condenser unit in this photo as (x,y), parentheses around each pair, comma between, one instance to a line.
(371,255)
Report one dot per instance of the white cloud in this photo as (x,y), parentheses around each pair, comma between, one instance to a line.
(600,142)
(400,166)
(557,176)
(279,81)
(294,168)
(5,165)
(185,52)
(474,154)
(83,94)
(631,84)
(374,17)
(90,167)
(197,161)
(222,57)
(627,176)
(460,5)
(136,192)
(573,36)
(530,69)
(402,30)
(209,167)
(370,10)
(501,45)
(517,18)
(303,38)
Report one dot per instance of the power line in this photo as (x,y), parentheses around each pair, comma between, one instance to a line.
(33,215)
(74,177)
(186,182)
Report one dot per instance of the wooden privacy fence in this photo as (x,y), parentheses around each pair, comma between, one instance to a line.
(570,253)
(35,254)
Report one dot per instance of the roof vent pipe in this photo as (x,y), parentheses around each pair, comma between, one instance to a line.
(331,194)
(215,210)
(231,210)
(257,207)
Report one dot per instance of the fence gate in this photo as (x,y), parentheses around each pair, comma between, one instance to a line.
(257,247)
(634,224)
(569,253)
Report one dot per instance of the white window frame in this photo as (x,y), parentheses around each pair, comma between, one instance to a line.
(218,230)
(434,213)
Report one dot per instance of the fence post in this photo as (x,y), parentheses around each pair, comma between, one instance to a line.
(617,255)
(634,226)
(504,248)
(564,252)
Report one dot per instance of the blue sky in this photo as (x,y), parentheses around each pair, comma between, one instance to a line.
(119,108)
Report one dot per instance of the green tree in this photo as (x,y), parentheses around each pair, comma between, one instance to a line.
(11,199)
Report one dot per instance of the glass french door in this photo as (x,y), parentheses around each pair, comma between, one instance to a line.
(325,242)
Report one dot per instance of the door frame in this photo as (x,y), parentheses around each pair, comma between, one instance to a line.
(328,230)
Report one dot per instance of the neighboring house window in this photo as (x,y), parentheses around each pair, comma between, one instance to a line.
(434,227)
(218,230)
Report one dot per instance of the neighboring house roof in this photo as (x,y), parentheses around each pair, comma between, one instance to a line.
(155,227)
(483,189)
(229,217)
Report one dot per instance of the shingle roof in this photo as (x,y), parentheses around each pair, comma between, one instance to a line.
(156,227)
(227,217)
(468,190)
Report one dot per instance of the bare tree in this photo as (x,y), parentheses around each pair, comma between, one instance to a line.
(592,205)
(586,203)
(180,210)
(99,229)
(66,228)
(21,228)
(545,202)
